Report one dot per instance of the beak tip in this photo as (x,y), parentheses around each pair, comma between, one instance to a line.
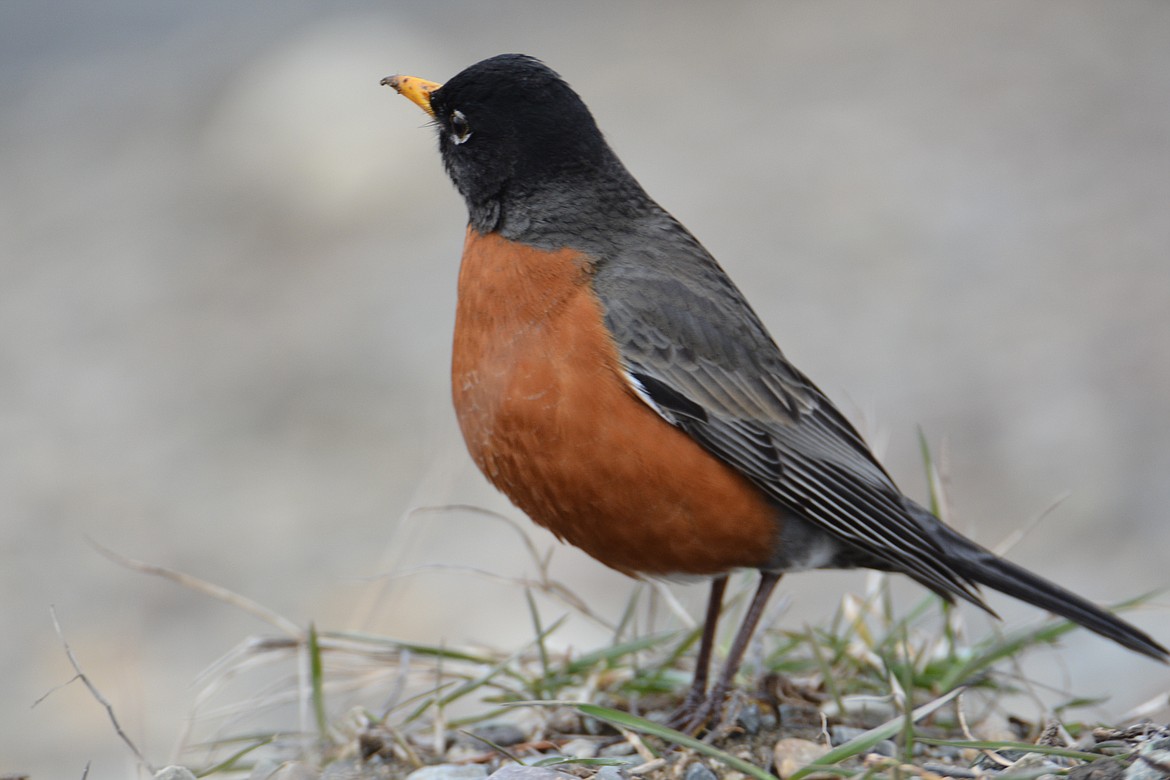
(417,90)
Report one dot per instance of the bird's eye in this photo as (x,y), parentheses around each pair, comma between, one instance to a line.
(460,129)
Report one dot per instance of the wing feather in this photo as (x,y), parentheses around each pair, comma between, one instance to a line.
(697,353)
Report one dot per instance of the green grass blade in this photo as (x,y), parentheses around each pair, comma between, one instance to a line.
(908,732)
(643,726)
(472,685)
(230,761)
(1048,750)
(478,682)
(538,686)
(610,654)
(999,649)
(317,681)
(498,748)
(685,644)
(435,651)
(863,742)
(989,653)
(932,480)
(628,613)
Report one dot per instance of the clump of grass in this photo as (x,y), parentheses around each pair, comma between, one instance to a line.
(320,695)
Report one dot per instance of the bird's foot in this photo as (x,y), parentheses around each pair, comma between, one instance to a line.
(685,713)
(696,716)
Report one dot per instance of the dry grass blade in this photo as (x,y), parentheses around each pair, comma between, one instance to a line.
(206,588)
(544,582)
(102,700)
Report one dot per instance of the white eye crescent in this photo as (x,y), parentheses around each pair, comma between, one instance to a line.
(460,128)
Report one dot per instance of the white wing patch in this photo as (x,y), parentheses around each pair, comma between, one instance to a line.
(640,391)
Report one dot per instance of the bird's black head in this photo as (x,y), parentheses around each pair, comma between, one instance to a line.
(510,127)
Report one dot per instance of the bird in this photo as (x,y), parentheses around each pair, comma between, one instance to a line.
(615,384)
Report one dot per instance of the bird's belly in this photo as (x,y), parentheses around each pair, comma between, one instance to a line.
(549,418)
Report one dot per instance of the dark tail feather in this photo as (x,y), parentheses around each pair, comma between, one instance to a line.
(981,565)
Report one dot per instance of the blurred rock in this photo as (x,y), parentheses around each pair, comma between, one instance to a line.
(518,772)
(697,770)
(502,734)
(1152,761)
(357,769)
(749,719)
(1103,769)
(611,773)
(449,772)
(580,748)
(839,735)
(792,754)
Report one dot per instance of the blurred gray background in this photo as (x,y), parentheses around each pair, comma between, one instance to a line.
(227,269)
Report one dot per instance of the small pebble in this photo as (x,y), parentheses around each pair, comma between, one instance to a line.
(949,752)
(1152,761)
(465,751)
(356,769)
(866,711)
(1036,764)
(611,773)
(697,770)
(1102,769)
(618,749)
(749,718)
(449,772)
(1107,749)
(839,735)
(518,772)
(502,734)
(948,770)
(580,748)
(792,754)
(795,717)
(595,727)
(1086,743)
(565,721)
(1157,744)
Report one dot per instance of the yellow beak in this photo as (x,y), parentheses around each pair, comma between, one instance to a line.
(416,90)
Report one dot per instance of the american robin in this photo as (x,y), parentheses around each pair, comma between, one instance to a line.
(615,384)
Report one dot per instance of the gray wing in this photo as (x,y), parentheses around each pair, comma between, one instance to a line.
(696,352)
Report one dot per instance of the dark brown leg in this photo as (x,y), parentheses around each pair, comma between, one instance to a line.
(698,691)
(711,709)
